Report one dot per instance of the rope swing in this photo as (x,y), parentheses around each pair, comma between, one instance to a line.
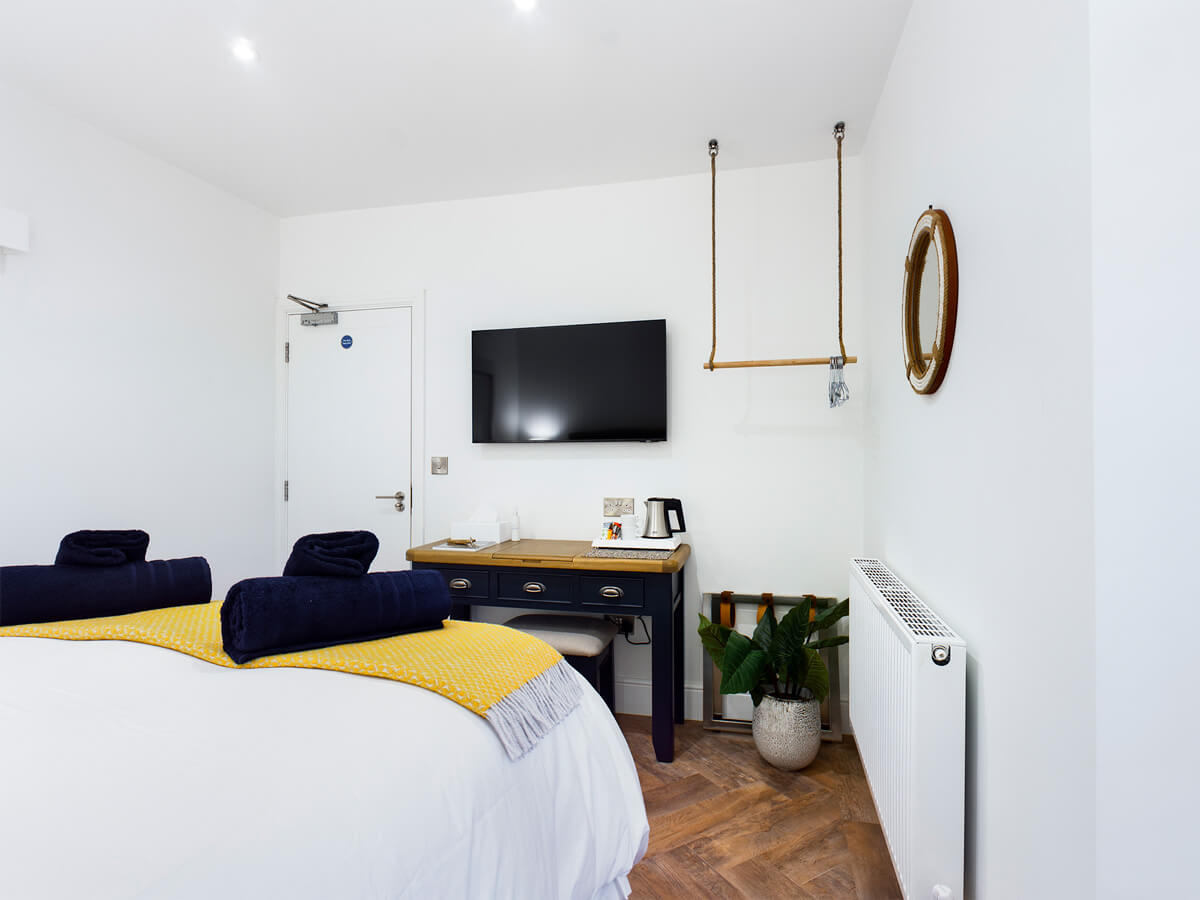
(838,393)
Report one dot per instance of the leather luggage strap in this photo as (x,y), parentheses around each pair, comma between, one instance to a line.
(727,612)
(768,602)
(812,609)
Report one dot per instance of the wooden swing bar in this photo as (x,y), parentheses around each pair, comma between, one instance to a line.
(758,363)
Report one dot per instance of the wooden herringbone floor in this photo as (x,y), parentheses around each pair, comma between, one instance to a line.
(723,823)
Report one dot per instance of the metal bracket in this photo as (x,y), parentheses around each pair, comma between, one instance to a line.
(319,318)
(310,305)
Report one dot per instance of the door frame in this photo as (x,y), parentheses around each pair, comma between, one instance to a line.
(415,302)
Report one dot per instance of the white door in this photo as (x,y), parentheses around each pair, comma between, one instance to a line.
(349,428)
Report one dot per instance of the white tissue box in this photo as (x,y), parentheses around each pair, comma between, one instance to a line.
(481,531)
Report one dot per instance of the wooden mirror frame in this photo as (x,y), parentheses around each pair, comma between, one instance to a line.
(926,371)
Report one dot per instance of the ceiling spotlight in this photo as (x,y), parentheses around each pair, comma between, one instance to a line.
(243,50)
(525,5)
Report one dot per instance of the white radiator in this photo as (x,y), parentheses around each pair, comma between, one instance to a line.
(908,706)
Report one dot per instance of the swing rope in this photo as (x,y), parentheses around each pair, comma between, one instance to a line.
(839,132)
(713,149)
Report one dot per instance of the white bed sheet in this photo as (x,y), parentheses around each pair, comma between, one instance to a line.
(134,771)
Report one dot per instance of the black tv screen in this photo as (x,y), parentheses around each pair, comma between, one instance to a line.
(603,382)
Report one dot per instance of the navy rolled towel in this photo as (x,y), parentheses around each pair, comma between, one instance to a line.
(266,616)
(102,548)
(53,593)
(347,553)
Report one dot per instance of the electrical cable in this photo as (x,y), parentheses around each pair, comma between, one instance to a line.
(645,631)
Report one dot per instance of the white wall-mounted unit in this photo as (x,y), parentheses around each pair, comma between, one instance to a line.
(908,706)
(14,231)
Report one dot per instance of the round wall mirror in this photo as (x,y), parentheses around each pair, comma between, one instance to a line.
(930,301)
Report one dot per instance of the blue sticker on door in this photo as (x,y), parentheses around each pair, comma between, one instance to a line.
(347,341)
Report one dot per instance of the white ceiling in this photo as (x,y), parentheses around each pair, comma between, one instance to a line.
(358,103)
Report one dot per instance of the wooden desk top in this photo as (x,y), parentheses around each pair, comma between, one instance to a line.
(546,555)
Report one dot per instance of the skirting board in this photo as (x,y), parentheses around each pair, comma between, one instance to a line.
(633,697)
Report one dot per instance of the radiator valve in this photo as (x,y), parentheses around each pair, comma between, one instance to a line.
(940,654)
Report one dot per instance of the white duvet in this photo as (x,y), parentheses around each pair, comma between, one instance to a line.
(134,771)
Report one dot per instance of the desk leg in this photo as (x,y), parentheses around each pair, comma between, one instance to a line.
(662,671)
(677,629)
(461,612)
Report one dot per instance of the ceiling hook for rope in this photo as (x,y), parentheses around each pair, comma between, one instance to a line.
(713,148)
(839,131)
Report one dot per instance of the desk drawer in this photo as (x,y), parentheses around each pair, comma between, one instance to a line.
(604,591)
(531,585)
(465,584)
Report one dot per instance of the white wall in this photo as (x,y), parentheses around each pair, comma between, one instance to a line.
(769,476)
(135,352)
(1145,128)
(980,496)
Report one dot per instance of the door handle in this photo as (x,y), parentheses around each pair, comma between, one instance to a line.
(534,587)
(398,497)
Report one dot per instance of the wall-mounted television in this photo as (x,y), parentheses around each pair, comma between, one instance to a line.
(600,382)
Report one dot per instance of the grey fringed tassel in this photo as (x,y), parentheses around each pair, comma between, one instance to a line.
(838,392)
(526,715)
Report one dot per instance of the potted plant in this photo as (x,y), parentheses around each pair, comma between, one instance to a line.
(782,670)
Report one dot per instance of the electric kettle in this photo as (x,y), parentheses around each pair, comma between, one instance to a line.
(657,523)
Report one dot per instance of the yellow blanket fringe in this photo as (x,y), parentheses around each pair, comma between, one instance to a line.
(518,683)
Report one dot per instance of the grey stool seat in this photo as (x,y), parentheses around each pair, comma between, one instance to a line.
(585,642)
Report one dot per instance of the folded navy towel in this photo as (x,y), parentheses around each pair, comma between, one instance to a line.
(102,548)
(52,593)
(266,616)
(333,553)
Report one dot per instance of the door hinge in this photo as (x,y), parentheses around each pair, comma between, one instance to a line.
(285,491)
(287,351)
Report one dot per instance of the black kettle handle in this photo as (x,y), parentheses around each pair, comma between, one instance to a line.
(669,505)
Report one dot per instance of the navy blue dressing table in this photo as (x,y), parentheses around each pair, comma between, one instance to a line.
(556,575)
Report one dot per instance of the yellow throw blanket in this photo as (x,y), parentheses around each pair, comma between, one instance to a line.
(521,685)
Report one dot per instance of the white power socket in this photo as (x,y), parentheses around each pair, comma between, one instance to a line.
(618,506)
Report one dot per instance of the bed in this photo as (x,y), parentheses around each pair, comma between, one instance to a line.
(134,771)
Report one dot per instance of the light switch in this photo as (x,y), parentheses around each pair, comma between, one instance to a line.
(439,465)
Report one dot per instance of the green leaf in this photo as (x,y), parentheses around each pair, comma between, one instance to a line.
(786,652)
(713,637)
(831,615)
(765,630)
(830,642)
(743,666)
(789,660)
(817,680)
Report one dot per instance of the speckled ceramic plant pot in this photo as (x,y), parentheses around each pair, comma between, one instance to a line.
(787,732)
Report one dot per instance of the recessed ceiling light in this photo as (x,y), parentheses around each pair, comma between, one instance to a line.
(243,50)
(525,5)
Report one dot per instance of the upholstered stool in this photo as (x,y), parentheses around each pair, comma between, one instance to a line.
(585,642)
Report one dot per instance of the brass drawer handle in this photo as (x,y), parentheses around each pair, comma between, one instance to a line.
(610,591)
(534,587)
(460,584)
